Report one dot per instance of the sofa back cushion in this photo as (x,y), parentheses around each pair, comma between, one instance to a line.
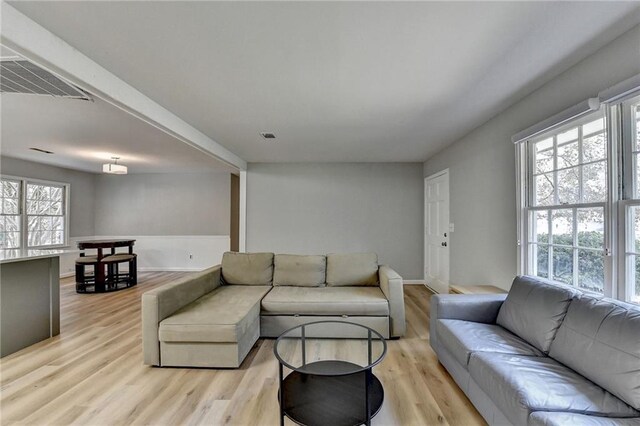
(352,269)
(247,268)
(600,339)
(534,310)
(297,270)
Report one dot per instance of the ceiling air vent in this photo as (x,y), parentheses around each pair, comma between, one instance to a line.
(21,76)
(268,135)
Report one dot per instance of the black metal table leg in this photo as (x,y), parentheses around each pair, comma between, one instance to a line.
(281,397)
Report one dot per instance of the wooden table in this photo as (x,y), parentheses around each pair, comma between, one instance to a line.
(100,245)
(475,289)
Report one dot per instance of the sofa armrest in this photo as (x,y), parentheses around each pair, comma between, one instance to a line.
(468,307)
(163,301)
(392,286)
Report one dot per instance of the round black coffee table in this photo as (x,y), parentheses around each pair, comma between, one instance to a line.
(331,380)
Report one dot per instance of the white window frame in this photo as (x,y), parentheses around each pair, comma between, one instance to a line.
(525,198)
(626,127)
(24,225)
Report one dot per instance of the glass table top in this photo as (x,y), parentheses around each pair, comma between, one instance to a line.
(313,348)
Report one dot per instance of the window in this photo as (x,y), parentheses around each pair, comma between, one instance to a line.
(566,205)
(630,131)
(10,220)
(45,215)
(34,214)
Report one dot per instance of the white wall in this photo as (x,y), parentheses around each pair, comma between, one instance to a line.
(345,207)
(482,164)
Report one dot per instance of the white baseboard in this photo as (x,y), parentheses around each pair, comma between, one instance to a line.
(169,269)
(413,282)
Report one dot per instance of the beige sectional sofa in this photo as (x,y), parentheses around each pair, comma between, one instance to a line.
(213,318)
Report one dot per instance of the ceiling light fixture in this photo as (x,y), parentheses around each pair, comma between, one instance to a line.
(268,135)
(114,168)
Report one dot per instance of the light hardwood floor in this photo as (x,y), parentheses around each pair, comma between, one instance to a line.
(92,374)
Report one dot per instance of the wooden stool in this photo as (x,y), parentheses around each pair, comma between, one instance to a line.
(114,276)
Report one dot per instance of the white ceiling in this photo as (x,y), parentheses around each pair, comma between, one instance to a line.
(84,135)
(336,81)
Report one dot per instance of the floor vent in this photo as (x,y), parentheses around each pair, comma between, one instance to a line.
(21,76)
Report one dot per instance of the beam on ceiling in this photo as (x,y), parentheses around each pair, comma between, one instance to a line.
(29,39)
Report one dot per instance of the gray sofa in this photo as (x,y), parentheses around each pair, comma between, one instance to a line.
(213,318)
(542,355)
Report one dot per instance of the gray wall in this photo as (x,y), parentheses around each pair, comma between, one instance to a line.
(482,165)
(345,207)
(82,200)
(163,204)
(137,204)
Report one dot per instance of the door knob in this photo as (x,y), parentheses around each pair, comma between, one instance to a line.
(443,244)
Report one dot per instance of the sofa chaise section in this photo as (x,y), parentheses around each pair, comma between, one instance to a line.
(216,330)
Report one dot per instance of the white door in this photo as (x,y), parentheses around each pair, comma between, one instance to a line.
(436,239)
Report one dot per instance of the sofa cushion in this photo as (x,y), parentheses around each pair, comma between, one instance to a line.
(600,339)
(223,315)
(352,269)
(534,309)
(296,270)
(325,301)
(519,385)
(551,418)
(462,338)
(247,268)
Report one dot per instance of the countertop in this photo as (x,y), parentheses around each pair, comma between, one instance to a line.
(17,255)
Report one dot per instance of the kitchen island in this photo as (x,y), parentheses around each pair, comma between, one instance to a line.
(29,298)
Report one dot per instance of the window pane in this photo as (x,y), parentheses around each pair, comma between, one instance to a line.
(569,186)
(43,207)
(45,215)
(594,148)
(568,155)
(10,206)
(636,164)
(32,207)
(55,208)
(541,253)
(10,189)
(56,193)
(540,231)
(563,265)
(569,135)
(544,190)
(634,244)
(591,270)
(57,237)
(9,240)
(593,127)
(637,120)
(543,159)
(57,224)
(562,227)
(635,297)
(594,184)
(591,227)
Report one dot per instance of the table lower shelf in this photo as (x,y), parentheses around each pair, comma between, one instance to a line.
(316,400)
